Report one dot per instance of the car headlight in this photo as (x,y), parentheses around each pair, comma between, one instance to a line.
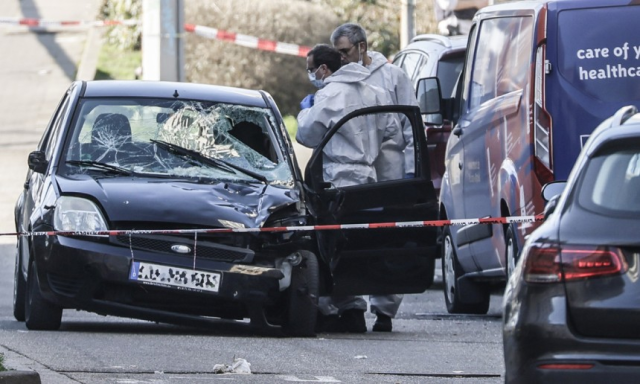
(75,214)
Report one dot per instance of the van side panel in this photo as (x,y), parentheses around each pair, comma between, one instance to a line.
(594,51)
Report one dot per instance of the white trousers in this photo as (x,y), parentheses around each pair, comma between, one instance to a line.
(383,304)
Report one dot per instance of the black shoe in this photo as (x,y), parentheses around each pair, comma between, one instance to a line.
(382,324)
(329,324)
(353,321)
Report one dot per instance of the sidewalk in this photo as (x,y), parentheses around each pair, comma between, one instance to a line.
(37,70)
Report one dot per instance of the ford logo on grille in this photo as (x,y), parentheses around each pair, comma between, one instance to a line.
(178,248)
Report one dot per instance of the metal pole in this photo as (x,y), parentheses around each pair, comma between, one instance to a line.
(407,22)
(162,45)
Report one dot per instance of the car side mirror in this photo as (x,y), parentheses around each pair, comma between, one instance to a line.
(551,193)
(553,189)
(38,162)
(429,98)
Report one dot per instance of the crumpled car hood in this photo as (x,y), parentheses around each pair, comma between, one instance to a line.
(180,201)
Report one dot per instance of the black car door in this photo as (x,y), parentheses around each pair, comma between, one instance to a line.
(395,259)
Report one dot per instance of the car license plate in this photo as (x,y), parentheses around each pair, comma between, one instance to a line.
(180,278)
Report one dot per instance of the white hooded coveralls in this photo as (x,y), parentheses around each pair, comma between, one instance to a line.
(350,156)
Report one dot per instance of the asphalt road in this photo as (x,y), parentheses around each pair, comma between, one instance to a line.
(427,345)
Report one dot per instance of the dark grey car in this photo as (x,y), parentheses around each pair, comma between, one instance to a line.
(572,307)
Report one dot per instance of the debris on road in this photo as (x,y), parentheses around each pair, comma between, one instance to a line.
(239,366)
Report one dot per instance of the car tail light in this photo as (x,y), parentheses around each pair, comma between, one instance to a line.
(585,263)
(550,264)
(542,265)
(566,366)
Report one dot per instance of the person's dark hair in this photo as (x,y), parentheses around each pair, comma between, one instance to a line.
(354,32)
(326,54)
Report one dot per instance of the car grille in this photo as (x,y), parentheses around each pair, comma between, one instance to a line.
(63,285)
(203,249)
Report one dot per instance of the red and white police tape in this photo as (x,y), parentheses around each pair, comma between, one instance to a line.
(248,41)
(307,228)
(199,30)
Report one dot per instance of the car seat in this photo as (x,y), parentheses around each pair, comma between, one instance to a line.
(111,131)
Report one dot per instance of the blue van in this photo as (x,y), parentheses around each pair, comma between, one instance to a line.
(538,77)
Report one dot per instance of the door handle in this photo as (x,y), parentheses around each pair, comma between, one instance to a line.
(461,124)
(460,165)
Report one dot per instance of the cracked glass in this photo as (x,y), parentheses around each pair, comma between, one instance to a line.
(176,139)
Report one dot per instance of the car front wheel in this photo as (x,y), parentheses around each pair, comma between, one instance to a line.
(454,292)
(303,297)
(40,314)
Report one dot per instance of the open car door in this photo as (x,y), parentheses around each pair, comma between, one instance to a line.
(397,259)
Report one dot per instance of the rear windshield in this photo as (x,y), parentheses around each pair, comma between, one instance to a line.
(611,181)
(599,51)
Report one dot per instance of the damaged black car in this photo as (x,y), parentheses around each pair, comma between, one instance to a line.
(184,203)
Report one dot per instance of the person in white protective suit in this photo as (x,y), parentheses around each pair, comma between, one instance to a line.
(350,156)
(398,154)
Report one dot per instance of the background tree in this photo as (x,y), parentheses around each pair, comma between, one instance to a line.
(219,62)
(301,22)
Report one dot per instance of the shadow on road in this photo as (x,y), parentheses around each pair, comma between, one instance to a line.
(30,10)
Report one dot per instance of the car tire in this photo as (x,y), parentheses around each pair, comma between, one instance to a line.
(453,291)
(40,314)
(19,287)
(511,250)
(303,297)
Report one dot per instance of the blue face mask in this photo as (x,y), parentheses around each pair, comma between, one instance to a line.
(318,83)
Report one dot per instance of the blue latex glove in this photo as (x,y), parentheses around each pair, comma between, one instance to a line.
(307,102)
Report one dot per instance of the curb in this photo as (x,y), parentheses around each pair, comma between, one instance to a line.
(19,377)
(88,63)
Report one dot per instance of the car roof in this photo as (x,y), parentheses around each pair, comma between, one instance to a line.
(169,90)
(623,124)
(439,43)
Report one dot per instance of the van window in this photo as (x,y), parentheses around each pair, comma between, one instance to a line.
(602,62)
(502,58)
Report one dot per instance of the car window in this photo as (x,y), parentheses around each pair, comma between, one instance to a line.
(501,60)
(183,138)
(411,62)
(54,134)
(611,181)
(397,60)
(465,89)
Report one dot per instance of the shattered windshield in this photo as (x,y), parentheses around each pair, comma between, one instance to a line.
(169,138)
